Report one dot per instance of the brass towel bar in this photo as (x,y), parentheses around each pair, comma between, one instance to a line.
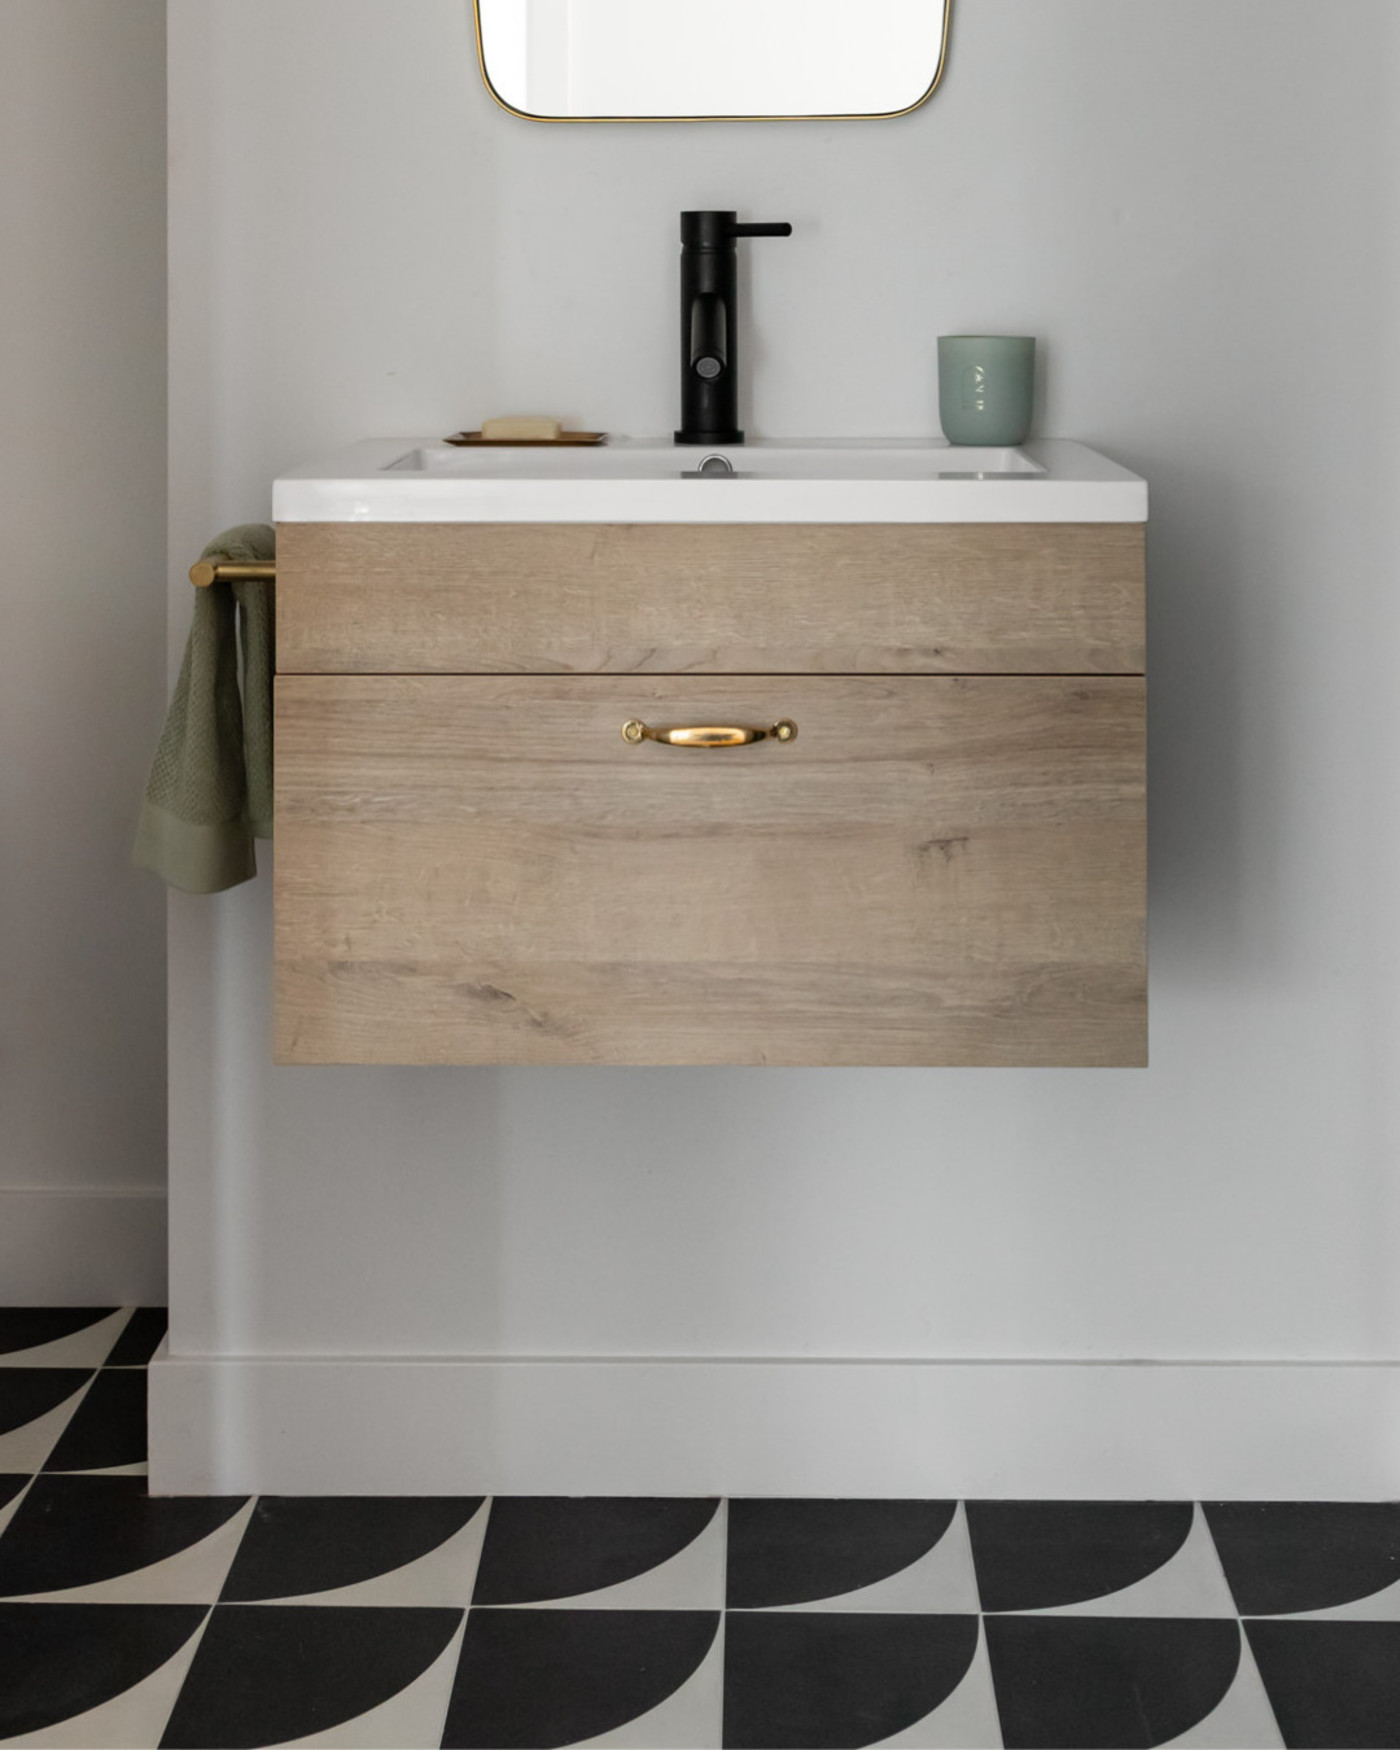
(206,571)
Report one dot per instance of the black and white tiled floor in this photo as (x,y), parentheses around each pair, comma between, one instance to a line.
(659,1624)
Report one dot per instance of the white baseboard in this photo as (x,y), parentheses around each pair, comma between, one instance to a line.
(826,1428)
(87,1246)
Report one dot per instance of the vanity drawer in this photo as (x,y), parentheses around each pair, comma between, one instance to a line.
(937,870)
(586,598)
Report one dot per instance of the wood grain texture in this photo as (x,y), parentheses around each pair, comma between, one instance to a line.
(840,598)
(939,870)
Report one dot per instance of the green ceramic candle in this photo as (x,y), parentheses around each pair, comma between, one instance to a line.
(986,387)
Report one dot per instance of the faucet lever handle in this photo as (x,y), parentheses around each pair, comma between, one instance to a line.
(780,229)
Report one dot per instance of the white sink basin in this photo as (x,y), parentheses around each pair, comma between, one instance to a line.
(774,481)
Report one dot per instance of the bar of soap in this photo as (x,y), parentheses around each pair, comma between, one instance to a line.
(517,427)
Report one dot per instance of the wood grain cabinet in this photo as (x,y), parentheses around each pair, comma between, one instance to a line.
(945,865)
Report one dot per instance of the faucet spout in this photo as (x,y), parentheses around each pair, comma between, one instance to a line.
(709,294)
(709,337)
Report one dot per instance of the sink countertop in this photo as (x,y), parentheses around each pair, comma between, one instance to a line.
(630,480)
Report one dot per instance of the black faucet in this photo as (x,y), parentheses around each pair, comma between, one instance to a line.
(709,329)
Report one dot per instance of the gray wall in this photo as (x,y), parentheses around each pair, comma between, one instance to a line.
(1193,203)
(82,656)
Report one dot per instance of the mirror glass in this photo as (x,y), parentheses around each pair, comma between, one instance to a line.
(563,60)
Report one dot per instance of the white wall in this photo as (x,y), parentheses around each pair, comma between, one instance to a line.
(1193,204)
(82,656)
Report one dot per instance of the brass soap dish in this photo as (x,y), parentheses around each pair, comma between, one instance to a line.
(463,438)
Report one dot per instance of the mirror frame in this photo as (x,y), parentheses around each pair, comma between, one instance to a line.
(879,115)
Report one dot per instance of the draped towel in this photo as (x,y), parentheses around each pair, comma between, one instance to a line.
(210,790)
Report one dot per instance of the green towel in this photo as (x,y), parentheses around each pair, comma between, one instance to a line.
(210,790)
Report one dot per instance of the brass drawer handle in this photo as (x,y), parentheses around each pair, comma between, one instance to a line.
(707,734)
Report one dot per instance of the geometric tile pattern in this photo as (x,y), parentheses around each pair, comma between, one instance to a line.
(651,1624)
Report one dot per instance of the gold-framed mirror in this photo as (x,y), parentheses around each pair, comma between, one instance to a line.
(711,60)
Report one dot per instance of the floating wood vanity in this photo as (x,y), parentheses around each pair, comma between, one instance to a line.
(944,864)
